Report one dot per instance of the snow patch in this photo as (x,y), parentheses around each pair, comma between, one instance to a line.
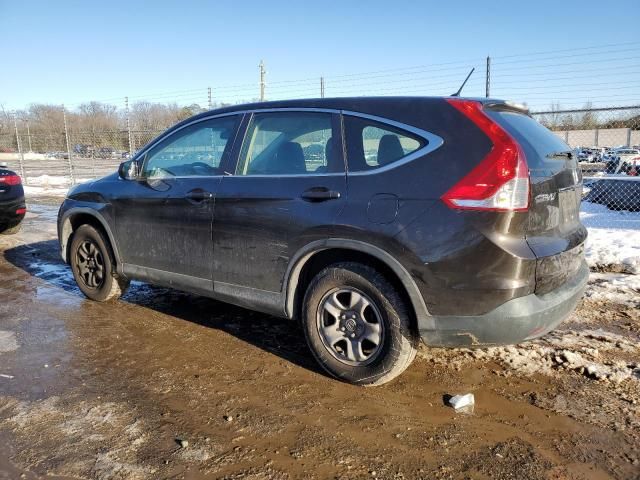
(614,238)
(40,191)
(50,185)
(86,427)
(587,352)
(49,181)
(615,288)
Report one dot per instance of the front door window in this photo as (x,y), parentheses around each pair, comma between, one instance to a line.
(196,150)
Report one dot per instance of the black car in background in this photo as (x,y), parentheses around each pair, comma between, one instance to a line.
(450,220)
(616,193)
(12,204)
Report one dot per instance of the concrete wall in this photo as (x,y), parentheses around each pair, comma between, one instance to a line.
(600,137)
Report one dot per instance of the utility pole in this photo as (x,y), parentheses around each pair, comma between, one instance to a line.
(209,97)
(66,136)
(20,154)
(126,109)
(488,78)
(321,87)
(28,135)
(262,82)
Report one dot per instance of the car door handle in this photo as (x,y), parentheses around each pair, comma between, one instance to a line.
(198,196)
(319,194)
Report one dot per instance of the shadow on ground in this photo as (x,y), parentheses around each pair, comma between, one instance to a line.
(276,335)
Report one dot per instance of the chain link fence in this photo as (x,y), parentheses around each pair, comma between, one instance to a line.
(607,142)
(49,160)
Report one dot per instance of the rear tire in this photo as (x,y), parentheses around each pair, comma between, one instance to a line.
(357,325)
(93,265)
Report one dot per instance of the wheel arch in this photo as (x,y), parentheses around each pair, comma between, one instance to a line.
(76,217)
(325,252)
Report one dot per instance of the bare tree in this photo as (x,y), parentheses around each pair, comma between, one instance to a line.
(552,120)
(47,126)
(96,116)
(147,116)
(7,134)
(588,118)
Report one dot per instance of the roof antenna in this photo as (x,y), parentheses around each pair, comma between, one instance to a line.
(457,94)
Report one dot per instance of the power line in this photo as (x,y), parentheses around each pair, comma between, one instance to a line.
(569,49)
(431,76)
(573,55)
(587,98)
(605,109)
(632,83)
(571,77)
(564,64)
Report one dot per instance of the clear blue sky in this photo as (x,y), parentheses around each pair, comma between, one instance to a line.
(75,51)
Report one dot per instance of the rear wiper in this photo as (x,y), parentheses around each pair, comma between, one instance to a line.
(567,154)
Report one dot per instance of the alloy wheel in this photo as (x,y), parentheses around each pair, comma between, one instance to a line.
(350,326)
(90,264)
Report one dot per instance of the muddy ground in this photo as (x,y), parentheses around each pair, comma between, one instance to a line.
(163,384)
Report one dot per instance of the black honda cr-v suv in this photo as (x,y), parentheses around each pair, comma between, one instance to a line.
(375,221)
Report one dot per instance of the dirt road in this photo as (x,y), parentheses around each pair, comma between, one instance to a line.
(163,384)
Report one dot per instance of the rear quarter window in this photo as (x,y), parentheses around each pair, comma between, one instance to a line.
(372,145)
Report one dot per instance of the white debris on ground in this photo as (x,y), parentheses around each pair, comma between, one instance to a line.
(462,402)
(614,238)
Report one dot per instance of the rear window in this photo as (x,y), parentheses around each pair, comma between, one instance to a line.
(524,128)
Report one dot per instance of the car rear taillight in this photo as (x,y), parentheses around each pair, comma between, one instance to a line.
(21,211)
(10,180)
(500,182)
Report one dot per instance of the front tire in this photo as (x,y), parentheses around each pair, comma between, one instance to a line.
(93,265)
(357,325)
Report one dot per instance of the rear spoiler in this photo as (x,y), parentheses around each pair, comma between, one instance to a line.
(507,106)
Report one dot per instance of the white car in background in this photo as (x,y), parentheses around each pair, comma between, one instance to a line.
(600,152)
(588,155)
(624,160)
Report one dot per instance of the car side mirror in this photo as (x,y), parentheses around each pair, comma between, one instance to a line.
(128,170)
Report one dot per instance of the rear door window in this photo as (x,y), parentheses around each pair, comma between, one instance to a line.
(290,143)
(372,145)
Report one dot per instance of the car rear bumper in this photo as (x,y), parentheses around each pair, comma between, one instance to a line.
(8,215)
(517,320)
